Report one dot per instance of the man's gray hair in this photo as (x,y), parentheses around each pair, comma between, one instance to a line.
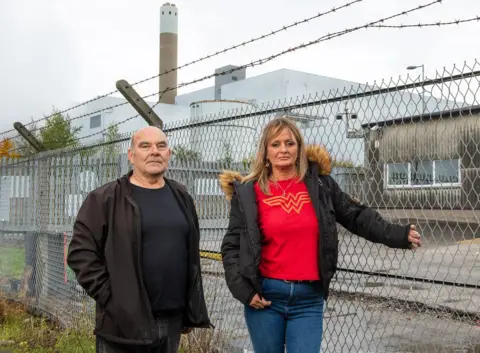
(132,139)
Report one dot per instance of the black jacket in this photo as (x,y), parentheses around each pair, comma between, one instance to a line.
(105,254)
(241,244)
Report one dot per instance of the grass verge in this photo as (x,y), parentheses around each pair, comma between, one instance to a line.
(20,332)
(12,262)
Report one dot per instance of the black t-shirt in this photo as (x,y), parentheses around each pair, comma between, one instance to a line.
(164,248)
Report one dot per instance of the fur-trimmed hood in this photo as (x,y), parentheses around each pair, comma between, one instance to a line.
(315,154)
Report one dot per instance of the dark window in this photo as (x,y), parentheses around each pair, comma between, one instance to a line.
(95,121)
(234,78)
(397,174)
(447,172)
(424,173)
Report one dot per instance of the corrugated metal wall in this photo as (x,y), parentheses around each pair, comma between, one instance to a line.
(449,138)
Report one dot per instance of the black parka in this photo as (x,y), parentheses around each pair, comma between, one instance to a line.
(241,245)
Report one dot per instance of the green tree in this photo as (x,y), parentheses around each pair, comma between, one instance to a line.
(111,151)
(111,136)
(227,159)
(247,161)
(182,154)
(58,132)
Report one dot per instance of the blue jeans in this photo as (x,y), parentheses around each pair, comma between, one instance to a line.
(293,321)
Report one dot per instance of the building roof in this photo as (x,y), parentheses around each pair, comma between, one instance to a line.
(444,114)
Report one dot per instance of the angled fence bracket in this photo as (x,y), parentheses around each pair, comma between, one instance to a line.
(139,104)
(29,137)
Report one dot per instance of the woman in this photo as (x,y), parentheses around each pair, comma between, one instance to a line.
(281,248)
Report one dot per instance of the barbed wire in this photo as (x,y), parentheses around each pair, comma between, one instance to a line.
(274,32)
(119,123)
(63,111)
(302,46)
(262,61)
(208,56)
(98,132)
(432,24)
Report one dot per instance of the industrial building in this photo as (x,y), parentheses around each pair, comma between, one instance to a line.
(400,162)
(424,161)
(334,120)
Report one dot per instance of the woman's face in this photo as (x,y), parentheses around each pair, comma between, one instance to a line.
(282,150)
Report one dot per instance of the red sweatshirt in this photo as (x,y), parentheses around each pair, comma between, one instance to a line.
(290,232)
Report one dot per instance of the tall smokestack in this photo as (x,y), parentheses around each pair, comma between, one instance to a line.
(168,52)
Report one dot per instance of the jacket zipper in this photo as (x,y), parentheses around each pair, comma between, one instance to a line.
(197,275)
(323,236)
(138,244)
(196,256)
(249,240)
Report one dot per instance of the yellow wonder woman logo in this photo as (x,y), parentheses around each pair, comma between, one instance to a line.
(290,202)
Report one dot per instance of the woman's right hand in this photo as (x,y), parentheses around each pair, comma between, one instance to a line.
(259,303)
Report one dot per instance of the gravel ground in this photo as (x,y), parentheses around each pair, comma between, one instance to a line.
(355,322)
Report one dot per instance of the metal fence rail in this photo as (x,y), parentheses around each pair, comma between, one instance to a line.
(410,150)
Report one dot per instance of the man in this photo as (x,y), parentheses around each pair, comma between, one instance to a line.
(135,251)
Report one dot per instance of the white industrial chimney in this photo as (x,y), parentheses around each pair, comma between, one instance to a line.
(168,52)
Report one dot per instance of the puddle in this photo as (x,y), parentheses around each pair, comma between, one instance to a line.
(452,300)
(405,286)
(373,284)
(408,286)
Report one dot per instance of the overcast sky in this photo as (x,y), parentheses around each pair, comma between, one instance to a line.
(57,52)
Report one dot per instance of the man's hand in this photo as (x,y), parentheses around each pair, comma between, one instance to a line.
(414,238)
(187,330)
(259,303)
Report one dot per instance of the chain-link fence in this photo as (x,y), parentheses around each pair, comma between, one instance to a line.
(410,150)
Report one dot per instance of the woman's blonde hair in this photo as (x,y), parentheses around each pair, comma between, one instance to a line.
(259,170)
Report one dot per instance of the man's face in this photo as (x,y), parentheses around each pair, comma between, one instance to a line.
(149,153)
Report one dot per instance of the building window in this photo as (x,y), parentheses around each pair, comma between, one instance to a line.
(435,173)
(234,78)
(447,172)
(421,173)
(95,121)
(397,174)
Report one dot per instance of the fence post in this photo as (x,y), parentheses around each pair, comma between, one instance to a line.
(42,205)
(139,104)
(33,260)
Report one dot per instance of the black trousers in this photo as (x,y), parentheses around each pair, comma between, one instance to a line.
(170,331)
